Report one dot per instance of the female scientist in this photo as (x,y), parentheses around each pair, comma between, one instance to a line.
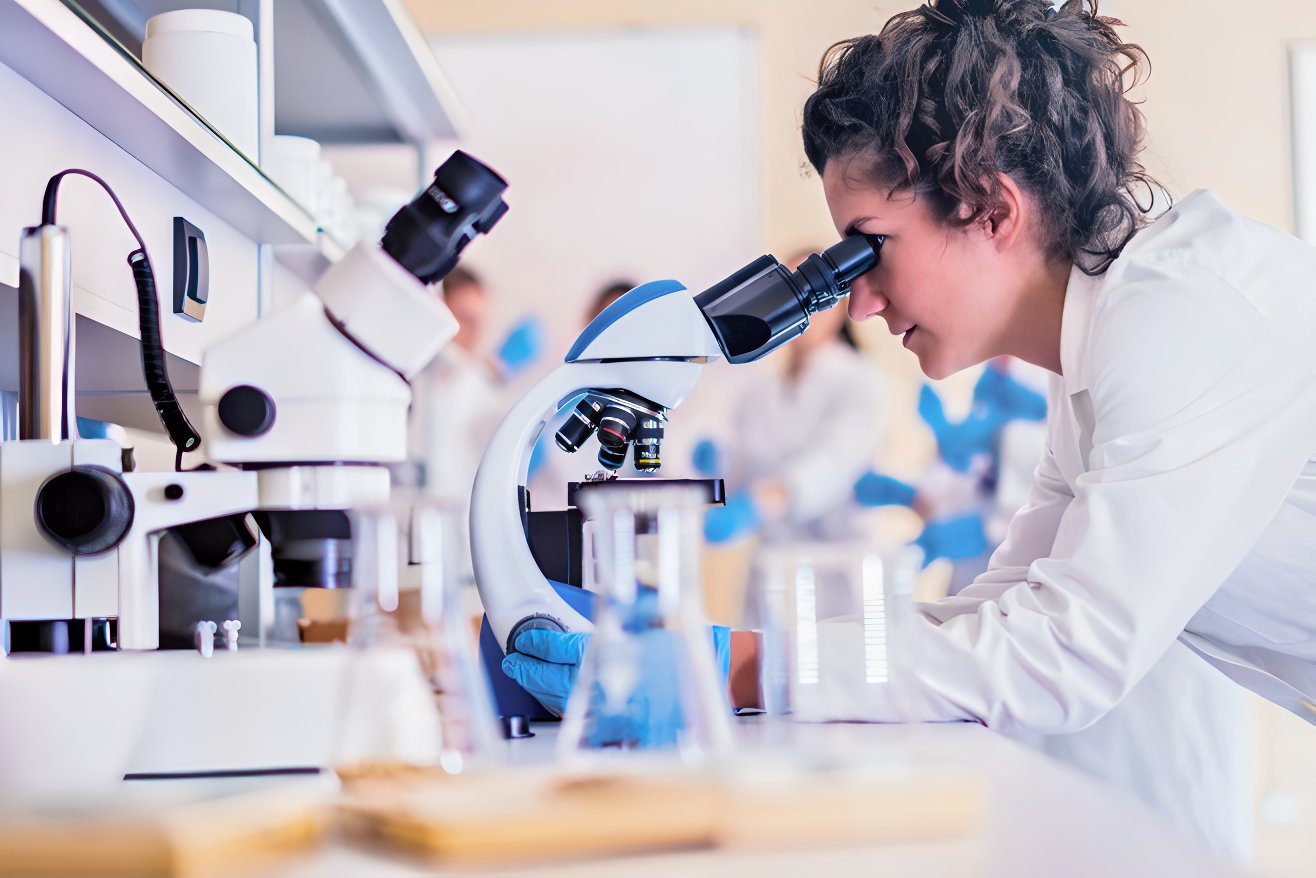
(992,145)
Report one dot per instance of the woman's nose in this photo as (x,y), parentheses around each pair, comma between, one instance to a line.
(865,299)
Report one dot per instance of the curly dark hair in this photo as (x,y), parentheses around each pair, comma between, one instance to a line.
(954,93)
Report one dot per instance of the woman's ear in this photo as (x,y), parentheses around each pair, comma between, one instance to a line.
(1007,218)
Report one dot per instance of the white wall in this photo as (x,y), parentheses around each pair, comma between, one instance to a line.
(627,153)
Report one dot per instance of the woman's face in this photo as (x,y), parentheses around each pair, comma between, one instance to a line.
(945,289)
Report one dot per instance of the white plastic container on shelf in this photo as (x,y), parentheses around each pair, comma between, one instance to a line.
(209,58)
(294,163)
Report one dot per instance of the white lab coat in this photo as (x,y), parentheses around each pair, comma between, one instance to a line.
(1176,499)
(813,436)
(1179,740)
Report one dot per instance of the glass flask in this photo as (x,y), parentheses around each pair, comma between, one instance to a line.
(648,679)
(831,616)
(414,692)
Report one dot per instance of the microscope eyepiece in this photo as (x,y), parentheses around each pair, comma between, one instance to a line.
(764,305)
(427,236)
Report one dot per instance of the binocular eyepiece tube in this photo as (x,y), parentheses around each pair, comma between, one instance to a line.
(764,305)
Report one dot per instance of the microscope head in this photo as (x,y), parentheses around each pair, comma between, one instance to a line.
(377,295)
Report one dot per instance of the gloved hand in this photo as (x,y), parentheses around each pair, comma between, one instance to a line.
(958,444)
(547,664)
(953,538)
(521,346)
(877,489)
(738,518)
(706,458)
(998,393)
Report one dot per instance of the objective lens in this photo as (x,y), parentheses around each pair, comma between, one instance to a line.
(579,425)
(615,426)
(648,438)
(612,456)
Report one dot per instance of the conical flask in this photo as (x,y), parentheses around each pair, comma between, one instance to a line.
(648,679)
(414,694)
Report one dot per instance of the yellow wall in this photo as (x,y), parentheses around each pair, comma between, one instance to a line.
(1216,105)
(1217,102)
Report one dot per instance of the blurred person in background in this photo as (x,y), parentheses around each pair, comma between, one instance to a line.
(797,441)
(458,400)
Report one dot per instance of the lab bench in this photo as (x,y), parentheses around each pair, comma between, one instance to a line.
(1039,819)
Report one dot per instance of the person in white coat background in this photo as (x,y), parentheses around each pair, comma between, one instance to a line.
(795,442)
(458,400)
(992,145)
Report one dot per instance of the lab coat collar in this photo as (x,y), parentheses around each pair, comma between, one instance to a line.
(1075,323)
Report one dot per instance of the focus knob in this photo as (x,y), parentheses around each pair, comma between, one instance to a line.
(246,410)
(85,509)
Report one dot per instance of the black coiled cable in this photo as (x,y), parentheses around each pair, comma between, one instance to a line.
(154,368)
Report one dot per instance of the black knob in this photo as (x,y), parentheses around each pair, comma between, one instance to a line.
(246,410)
(86,509)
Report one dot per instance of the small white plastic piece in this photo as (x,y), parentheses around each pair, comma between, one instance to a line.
(205,638)
(231,629)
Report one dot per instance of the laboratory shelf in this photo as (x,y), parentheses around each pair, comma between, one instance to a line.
(345,71)
(53,48)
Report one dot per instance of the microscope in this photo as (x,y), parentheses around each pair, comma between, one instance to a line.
(302,410)
(635,362)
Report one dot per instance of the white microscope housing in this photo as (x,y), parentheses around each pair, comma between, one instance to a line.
(652,343)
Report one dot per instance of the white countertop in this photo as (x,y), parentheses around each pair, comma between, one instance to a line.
(1042,819)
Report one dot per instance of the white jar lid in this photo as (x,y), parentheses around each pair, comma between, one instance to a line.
(294,147)
(200,21)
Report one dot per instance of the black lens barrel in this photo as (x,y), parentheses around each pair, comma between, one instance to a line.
(428,235)
(579,425)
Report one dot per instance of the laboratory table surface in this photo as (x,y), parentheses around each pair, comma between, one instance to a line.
(1040,819)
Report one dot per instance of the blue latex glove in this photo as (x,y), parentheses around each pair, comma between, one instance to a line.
(958,443)
(547,664)
(998,393)
(878,489)
(522,345)
(706,458)
(89,428)
(953,538)
(738,518)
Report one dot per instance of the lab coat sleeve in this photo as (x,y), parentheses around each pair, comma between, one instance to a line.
(1030,536)
(822,477)
(1201,419)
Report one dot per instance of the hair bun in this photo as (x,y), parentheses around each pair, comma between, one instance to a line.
(957,12)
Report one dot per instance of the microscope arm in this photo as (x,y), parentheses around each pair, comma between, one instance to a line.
(511,585)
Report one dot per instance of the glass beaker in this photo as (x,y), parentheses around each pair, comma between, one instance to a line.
(648,679)
(414,692)
(832,615)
